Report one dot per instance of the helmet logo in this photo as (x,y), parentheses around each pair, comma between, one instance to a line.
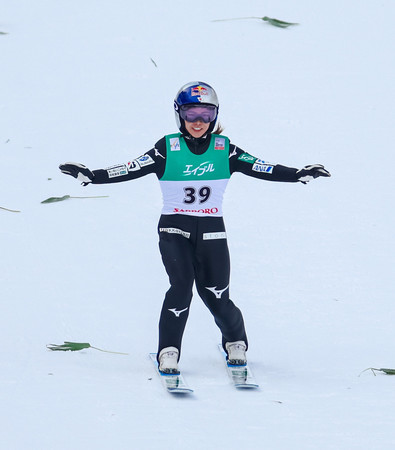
(198,91)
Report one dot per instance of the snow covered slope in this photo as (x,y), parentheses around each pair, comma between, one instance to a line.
(312,266)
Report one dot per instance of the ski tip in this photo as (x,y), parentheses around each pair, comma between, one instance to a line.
(247,386)
(182,391)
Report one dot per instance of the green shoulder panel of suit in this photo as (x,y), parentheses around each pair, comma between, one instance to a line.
(182,164)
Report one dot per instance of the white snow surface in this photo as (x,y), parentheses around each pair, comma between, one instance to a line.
(93,81)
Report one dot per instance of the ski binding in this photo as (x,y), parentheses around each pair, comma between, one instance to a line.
(175,384)
(241,376)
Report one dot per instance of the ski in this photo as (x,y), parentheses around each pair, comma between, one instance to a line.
(175,384)
(241,376)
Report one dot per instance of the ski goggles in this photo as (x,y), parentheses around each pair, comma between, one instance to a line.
(193,113)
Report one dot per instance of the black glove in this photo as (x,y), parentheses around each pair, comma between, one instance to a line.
(78,171)
(313,171)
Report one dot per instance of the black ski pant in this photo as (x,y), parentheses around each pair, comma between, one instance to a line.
(195,250)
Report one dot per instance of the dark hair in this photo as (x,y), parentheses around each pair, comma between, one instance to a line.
(218,129)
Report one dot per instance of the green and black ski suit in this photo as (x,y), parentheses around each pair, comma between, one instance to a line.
(193,174)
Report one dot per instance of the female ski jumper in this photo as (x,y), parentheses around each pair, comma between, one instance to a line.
(193,174)
(193,168)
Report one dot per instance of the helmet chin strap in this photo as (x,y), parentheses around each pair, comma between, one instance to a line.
(183,128)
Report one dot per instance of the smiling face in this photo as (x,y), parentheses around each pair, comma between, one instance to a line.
(197,129)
